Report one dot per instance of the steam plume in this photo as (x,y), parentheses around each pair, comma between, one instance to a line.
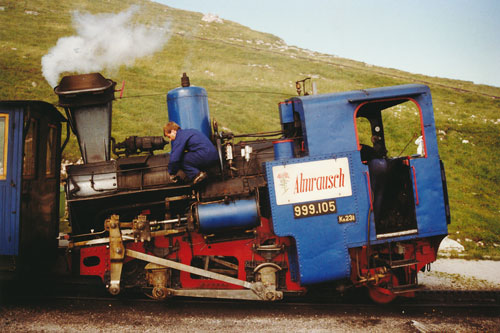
(103,41)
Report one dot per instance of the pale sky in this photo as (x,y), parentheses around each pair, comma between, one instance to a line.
(458,39)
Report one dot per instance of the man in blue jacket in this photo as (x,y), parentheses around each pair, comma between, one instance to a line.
(191,151)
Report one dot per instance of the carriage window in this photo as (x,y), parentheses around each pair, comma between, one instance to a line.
(389,128)
(29,159)
(4,127)
(50,161)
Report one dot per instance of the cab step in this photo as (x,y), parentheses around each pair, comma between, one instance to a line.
(402,263)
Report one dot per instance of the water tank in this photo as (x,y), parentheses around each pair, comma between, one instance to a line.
(283,149)
(188,107)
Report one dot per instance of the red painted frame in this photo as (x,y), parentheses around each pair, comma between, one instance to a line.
(196,245)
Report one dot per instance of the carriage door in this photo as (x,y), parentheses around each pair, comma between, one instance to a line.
(10,179)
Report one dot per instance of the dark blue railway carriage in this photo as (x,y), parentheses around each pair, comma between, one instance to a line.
(30,154)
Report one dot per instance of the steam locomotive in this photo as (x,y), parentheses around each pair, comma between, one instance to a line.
(324,200)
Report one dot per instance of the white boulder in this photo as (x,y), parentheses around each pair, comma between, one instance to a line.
(448,245)
(212,18)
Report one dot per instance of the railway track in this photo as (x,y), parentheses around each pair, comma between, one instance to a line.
(92,290)
(112,314)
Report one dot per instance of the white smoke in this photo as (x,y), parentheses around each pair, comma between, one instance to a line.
(103,41)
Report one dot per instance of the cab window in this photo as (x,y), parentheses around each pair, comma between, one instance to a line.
(390,129)
(4,127)
(402,130)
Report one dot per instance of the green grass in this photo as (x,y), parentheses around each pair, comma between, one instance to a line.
(246,73)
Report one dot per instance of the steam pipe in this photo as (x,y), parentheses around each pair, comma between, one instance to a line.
(68,134)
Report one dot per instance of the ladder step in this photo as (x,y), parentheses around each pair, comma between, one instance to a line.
(406,288)
(403,263)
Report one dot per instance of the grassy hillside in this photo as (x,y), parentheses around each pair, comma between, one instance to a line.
(246,73)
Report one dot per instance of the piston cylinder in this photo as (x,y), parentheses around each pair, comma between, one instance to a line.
(221,216)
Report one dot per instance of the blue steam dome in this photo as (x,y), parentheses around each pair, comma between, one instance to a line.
(188,107)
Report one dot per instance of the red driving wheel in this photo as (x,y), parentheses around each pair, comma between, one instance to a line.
(382,295)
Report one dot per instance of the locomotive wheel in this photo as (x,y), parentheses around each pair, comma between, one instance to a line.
(160,293)
(383,295)
(148,291)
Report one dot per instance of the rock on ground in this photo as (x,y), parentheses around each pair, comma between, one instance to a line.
(462,274)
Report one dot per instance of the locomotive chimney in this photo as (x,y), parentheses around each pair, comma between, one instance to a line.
(185,80)
(87,99)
